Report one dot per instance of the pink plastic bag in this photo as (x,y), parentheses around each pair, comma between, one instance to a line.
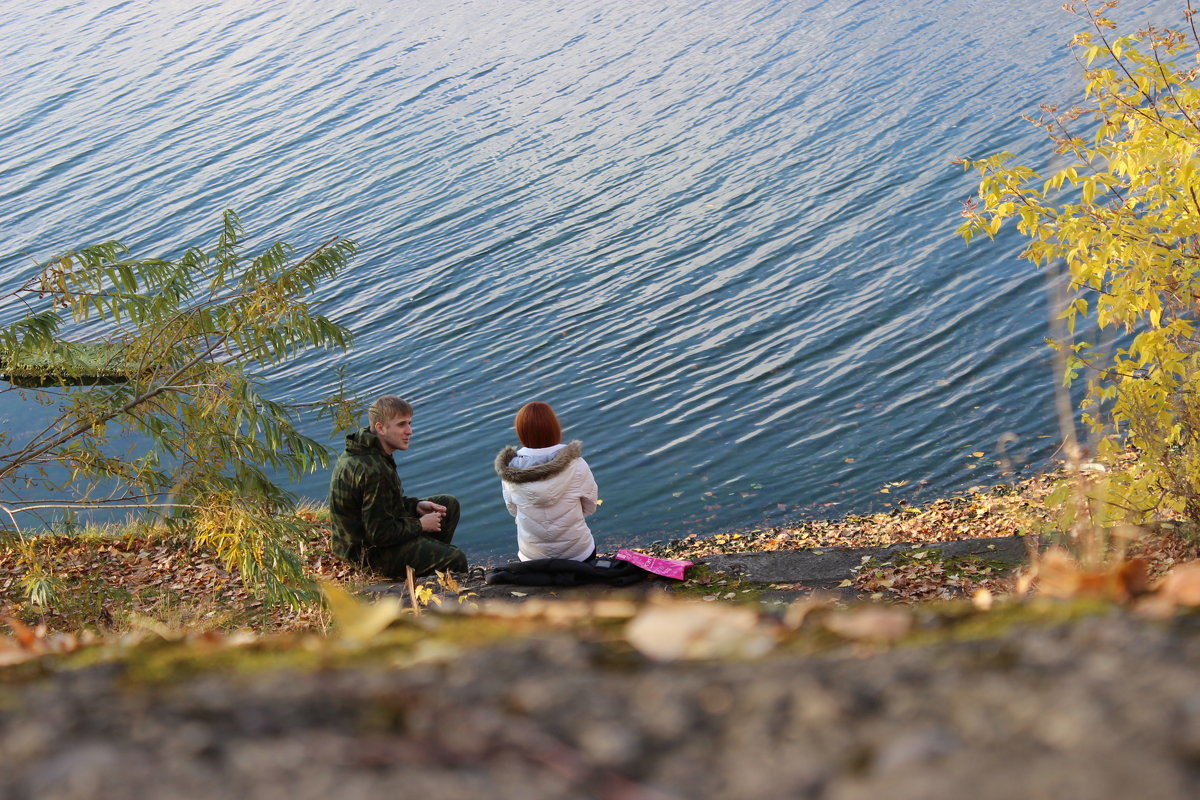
(667,567)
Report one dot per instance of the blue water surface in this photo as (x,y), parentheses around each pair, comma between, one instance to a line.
(719,237)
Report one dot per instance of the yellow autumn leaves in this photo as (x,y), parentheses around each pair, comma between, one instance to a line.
(1122,214)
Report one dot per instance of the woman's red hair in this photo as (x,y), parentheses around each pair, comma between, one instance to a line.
(537,426)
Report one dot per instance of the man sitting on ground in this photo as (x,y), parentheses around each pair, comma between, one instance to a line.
(374,524)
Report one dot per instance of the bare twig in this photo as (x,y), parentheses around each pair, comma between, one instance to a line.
(412,590)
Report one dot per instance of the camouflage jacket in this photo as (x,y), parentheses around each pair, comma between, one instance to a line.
(367,505)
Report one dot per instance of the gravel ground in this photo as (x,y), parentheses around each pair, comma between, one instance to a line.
(1104,708)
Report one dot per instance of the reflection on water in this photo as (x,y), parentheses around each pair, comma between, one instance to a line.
(717,237)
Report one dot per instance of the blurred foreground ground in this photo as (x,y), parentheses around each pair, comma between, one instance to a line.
(1106,706)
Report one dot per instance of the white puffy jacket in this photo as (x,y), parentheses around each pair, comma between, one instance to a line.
(550,499)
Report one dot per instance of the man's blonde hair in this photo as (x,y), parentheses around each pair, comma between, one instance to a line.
(387,408)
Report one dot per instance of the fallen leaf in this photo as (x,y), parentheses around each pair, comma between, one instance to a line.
(688,631)
(871,623)
(13,653)
(1134,575)
(356,619)
(799,610)
(1058,575)
(26,637)
(1182,584)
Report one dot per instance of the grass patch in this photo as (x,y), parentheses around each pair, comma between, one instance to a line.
(110,579)
(706,585)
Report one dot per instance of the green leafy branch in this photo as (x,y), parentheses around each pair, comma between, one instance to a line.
(176,361)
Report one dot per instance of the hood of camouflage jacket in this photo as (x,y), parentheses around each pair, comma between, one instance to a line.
(364,442)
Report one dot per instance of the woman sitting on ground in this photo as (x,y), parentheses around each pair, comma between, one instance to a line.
(548,487)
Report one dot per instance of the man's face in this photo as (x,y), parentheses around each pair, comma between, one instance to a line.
(395,433)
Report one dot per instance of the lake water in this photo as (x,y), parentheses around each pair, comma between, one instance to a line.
(719,237)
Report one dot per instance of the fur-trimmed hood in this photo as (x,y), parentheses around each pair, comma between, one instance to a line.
(538,472)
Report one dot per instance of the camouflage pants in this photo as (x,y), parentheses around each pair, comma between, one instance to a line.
(428,553)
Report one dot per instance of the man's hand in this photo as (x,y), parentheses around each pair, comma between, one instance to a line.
(431,515)
(428,507)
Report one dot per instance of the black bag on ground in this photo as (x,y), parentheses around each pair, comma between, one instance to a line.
(566,572)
